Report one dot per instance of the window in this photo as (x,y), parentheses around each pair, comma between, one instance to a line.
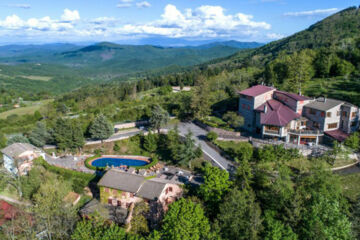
(170,189)
(106,190)
(353,114)
(322,114)
(332,125)
(312,111)
(114,191)
(328,114)
(344,114)
(353,124)
(109,201)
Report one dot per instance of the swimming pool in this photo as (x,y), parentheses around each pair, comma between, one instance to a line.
(118,161)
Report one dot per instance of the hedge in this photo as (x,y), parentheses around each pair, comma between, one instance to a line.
(154,161)
(89,166)
(79,179)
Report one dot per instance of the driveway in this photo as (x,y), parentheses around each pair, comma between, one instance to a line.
(199,135)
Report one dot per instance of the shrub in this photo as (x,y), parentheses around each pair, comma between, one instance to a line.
(79,179)
(154,161)
(353,141)
(89,166)
(212,136)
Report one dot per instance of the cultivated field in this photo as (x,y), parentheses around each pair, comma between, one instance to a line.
(35,106)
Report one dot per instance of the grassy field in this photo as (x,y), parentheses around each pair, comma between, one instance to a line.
(37,78)
(350,185)
(35,106)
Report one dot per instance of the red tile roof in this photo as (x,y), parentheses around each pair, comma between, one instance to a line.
(256,90)
(277,114)
(337,135)
(294,96)
(7,212)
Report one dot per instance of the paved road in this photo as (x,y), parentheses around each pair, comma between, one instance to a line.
(199,136)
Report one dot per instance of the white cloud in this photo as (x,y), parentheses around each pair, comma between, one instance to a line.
(69,15)
(143,4)
(204,22)
(19,5)
(316,12)
(274,36)
(123,5)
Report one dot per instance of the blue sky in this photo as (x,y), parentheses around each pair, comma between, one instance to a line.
(42,21)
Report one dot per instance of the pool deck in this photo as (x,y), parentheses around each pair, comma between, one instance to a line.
(75,163)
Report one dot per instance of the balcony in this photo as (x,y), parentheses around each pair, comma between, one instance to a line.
(306,132)
(272,132)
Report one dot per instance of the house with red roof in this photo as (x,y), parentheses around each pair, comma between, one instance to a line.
(7,212)
(295,118)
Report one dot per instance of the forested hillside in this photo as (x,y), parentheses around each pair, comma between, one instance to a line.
(321,60)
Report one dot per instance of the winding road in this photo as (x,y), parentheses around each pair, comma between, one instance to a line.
(199,135)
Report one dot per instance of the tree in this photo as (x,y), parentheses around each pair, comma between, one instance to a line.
(324,219)
(37,115)
(39,136)
(244,176)
(11,179)
(62,108)
(186,152)
(185,220)
(3,140)
(353,141)
(275,229)
(239,216)
(18,139)
(139,224)
(216,185)
(159,118)
(300,69)
(97,229)
(324,213)
(101,128)
(52,214)
(233,119)
(211,136)
(150,142)
(68,134)
(200,102)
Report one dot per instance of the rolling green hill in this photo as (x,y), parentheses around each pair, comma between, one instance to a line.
(321,60)
(58,68)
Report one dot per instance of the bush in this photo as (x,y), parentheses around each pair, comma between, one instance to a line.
(79,179)
(353,141)
(154,161)
(89,166)
(212,136)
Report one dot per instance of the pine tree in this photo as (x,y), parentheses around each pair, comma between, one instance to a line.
(101,128)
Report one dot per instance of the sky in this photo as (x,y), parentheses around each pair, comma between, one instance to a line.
(130,21)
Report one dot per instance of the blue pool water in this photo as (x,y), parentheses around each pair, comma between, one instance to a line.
(116,162)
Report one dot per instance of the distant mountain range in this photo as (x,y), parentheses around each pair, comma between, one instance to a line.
(113,59)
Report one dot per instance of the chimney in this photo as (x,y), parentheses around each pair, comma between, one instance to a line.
(265,108)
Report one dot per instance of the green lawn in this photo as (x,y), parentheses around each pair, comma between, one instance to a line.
(35,106)
(37,78)
(350,185)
